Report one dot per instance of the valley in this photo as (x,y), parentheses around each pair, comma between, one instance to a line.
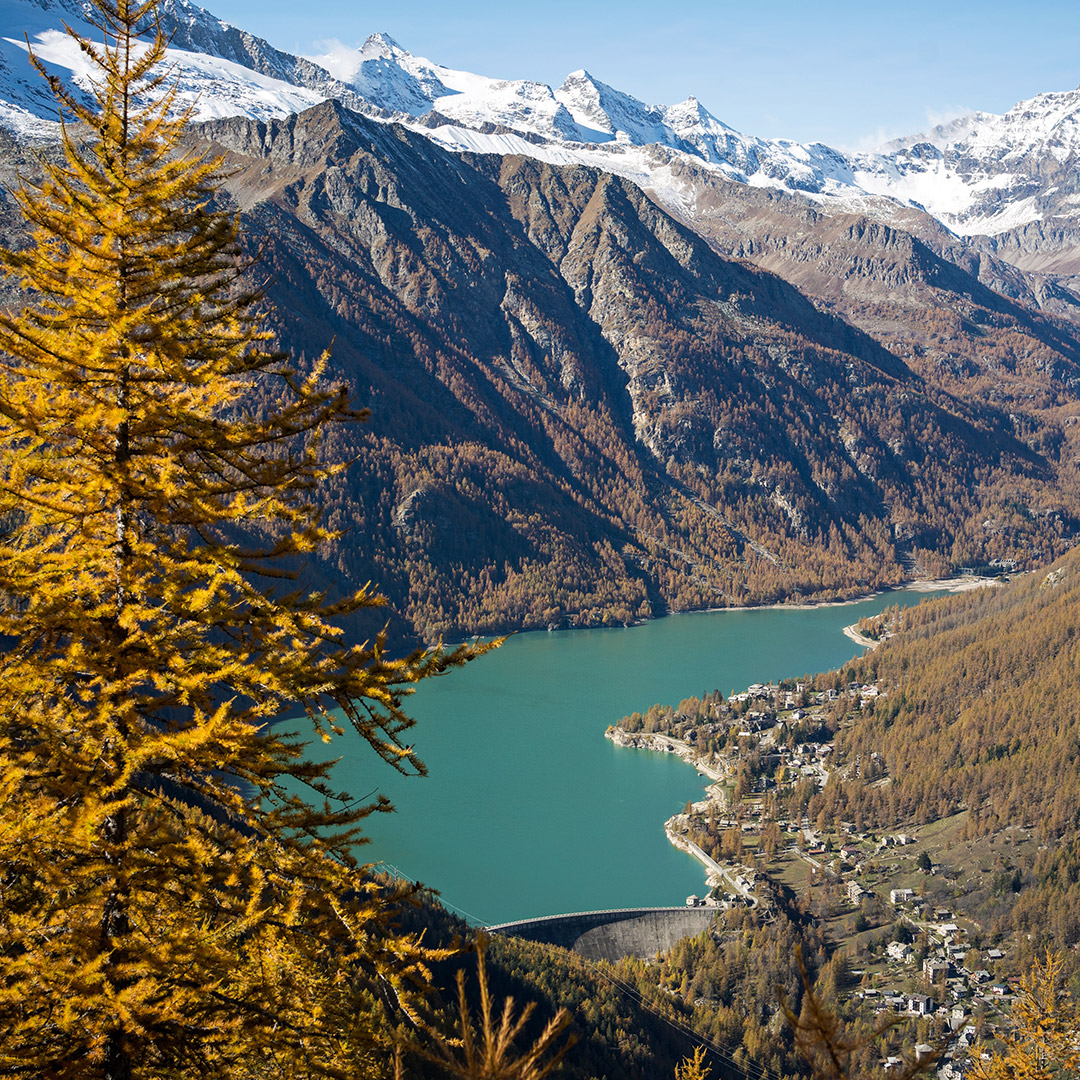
(661,392)
(936,907)
(592,401)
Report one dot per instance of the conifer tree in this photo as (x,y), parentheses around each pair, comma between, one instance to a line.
(1041,1040)
(170,904)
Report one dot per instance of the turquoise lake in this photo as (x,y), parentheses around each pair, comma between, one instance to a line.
(528,809)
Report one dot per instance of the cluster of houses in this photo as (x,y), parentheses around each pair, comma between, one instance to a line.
(945,988)
(958,992)
(789,699)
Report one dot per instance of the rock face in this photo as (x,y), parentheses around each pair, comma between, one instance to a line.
(998,190)
(582,413)
(980,175)
(906,286)
(987,174)
(589,405)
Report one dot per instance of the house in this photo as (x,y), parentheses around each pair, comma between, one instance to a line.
(901,896)
(935,969)
(855,892)
(900,951)
(920,1004)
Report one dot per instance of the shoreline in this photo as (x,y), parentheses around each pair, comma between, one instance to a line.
(952,585)
(657,742)
(852,632)
(664,744)
(667,744)
(922,585)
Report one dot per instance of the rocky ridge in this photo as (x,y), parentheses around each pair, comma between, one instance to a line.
(981,175)
(582,413)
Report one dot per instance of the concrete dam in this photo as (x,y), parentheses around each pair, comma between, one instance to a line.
(609,935)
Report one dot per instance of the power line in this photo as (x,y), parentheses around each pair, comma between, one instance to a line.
(719,1050)
(397,871)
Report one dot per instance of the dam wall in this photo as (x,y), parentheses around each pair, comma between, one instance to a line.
(609,935)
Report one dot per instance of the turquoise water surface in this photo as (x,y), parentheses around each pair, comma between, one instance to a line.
(528,809)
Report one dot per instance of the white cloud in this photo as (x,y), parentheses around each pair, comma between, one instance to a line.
(935,117)
(941,117)
(866,144)
(339,59)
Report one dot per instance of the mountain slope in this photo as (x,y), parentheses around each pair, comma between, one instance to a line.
(977,713)
(963,318)
(581,413)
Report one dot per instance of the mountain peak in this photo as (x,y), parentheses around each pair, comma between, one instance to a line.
(979,173)
(381,45)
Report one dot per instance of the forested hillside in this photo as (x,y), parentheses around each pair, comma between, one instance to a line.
(581,414)
(979,708)
(637,1020)
(979,711)
(961,317)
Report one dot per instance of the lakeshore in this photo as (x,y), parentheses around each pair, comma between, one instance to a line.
(529,718)
(716,874)
(963,583)
(920,586)
(720,770)
(852,633)
(952,585)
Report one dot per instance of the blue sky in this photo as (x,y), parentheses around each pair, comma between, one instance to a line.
(846,72)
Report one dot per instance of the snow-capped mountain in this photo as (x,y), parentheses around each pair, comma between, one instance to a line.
(213,75)
(583,120)
(982,174)
(985,173)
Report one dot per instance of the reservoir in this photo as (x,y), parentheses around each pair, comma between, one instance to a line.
(528,810)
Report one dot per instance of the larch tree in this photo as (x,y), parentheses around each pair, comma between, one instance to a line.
(178,892)
(1041,1039)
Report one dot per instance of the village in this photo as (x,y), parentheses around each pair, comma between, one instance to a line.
(894,903)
